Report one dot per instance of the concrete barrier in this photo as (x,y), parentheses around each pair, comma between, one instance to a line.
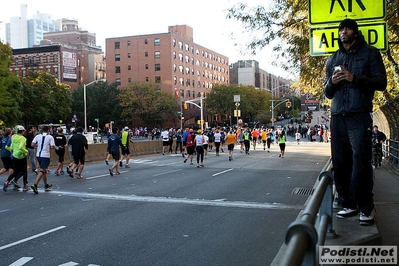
(96,152)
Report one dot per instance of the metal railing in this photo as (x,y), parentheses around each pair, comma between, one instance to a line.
(302,237)
(390,150)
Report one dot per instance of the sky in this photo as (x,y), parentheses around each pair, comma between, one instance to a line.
(109,19)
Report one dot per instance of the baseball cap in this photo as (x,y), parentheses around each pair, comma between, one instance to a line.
(20,128)
(199,131)
(191,130)
(126,128)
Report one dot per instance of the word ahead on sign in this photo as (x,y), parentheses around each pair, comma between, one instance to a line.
(331,11)
(324,40)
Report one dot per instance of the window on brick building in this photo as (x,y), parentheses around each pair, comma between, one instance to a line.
(157,79)
(117,69)
(147,79)
(128,43)
(157,67)
(157,42)
(129,67)
(129,80)
(145,41)
(128,55)
(157,54)
(117,57)
(146,66)
(118,81)
(146,54)
(117,45)
(174,42)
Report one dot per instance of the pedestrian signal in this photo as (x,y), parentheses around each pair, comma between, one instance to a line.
(288,104)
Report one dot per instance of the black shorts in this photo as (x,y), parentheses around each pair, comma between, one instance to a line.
(190,150)
(79,159)
(116,155)
(60,153)
(165,143)
(282,146)
(230,147)
(125,150)
(7,163)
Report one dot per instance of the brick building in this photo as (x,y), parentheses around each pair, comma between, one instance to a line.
(70,55)
(172,59)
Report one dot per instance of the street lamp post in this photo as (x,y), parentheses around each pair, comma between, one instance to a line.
(84,99)
(200,106)
(272,100)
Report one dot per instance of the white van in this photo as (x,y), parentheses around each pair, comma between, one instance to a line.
(92,137)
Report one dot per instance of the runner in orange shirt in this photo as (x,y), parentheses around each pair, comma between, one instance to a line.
(255,135)
(231,140)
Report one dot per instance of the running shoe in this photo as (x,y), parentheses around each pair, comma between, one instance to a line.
(111,172)
(34,188)
(48,187)
(5,186)
(15,184)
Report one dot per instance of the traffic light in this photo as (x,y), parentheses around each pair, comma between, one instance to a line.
(185,106)
(288,104)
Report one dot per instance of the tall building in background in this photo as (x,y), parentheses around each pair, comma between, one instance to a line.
(22,32)
(59,47)
(247,72)
(171,59)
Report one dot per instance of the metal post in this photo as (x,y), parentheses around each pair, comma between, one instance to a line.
(85,106)
(202,114)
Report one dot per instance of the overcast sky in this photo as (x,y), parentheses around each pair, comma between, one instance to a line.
(126,18)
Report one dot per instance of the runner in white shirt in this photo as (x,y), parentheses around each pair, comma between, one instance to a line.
(199,142)
(218,138)
(205,145)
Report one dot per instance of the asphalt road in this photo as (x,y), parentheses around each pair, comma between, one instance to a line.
(162,211)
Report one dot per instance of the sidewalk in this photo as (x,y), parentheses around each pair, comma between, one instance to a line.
(385,231)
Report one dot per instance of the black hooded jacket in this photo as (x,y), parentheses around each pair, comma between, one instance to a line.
(365,63)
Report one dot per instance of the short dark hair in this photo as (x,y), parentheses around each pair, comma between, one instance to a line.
(45,128)
(80,129)
(114,130)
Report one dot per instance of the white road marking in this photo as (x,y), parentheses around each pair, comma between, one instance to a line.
(97,176)
(71,263)
(21,261)
(225,171)
(204,202)
(164,173)
(32,237)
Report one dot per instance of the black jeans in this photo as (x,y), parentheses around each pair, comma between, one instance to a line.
(351,157)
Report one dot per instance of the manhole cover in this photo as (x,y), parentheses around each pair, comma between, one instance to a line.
(303,191)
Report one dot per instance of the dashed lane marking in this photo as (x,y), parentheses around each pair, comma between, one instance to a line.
(32,237)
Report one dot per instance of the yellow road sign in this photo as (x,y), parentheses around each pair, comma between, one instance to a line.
(332,11)
(324,40)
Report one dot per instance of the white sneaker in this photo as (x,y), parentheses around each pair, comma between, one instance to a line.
(366,219)
(346,212)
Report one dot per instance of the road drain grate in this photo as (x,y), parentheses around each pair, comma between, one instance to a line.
(303,191)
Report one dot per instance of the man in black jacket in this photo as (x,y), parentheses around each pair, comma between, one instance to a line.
(79,143)
(353,74)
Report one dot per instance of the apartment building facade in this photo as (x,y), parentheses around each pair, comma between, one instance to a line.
(248,72)
(172,59)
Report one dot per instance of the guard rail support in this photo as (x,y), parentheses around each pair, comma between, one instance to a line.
(302,237)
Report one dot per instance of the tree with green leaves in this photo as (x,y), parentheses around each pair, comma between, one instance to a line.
(220,100)
(284,24)
(10,90)
(146,101)
(44,98)
(102,102)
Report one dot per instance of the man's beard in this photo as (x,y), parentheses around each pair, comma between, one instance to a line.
(350,39)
